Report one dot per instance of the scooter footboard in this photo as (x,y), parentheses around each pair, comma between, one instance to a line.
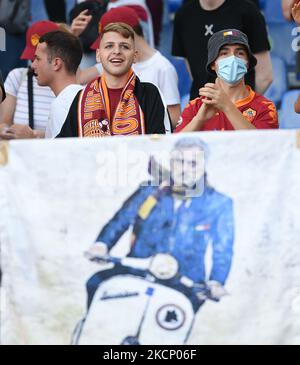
(130,306)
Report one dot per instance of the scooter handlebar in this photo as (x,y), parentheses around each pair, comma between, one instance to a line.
(202,290)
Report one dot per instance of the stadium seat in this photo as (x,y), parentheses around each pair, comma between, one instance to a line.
(273,12)
(288,118)
(262,4)
(184,101)
(173,5)
(281,41)
(279,85)
(184,79)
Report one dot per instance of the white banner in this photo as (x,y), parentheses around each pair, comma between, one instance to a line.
(220,267)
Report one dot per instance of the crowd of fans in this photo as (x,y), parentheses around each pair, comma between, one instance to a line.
(132,88)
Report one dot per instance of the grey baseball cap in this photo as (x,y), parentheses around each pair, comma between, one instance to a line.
(223,37)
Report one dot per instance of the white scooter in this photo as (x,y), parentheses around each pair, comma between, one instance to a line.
(131,309)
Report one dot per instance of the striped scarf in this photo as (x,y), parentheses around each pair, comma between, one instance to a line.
(94,119)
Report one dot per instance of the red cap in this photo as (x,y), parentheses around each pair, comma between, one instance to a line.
(33,35)
(121,14)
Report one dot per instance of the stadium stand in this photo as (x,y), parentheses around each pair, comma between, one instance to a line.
(288,119)
(280,83)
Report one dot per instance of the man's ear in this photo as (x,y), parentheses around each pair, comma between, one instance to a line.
(57,63)
(135,57)
(213,66)
(98,58)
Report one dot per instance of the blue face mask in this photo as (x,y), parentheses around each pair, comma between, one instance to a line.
(232,69)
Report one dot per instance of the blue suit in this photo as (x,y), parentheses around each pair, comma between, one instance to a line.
(184,232)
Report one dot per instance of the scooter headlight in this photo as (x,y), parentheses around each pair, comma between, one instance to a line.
(164,266)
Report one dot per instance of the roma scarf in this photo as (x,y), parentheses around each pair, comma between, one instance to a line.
(94,119)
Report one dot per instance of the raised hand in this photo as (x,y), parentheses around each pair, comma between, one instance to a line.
(214,95)
(80,22)
(296,13)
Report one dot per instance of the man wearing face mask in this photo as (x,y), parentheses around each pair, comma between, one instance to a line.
(203,18)
(228,104)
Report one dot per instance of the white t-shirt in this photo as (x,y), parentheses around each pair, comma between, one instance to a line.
(159,71)
(16,85)
(60,108)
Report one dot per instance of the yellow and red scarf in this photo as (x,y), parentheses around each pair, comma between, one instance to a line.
(94,119)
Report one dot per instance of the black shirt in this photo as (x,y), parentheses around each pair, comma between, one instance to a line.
(2,87)
(193,26)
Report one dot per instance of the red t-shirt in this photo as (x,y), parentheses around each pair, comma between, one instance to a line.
(258,110)
(114,99)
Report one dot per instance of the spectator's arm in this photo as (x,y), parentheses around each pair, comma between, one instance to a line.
(295,11)
(174,112)
(80,23)
(297,105)
(8,108)
(263,72)
(85,76)
(18,131)
(38,134)
(195,124)
(286,6)
(216,99)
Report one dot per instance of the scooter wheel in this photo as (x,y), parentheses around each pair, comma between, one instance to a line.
(130,340)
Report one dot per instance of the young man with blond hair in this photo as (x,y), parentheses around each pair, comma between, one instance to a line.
(116,103)
(150,66)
